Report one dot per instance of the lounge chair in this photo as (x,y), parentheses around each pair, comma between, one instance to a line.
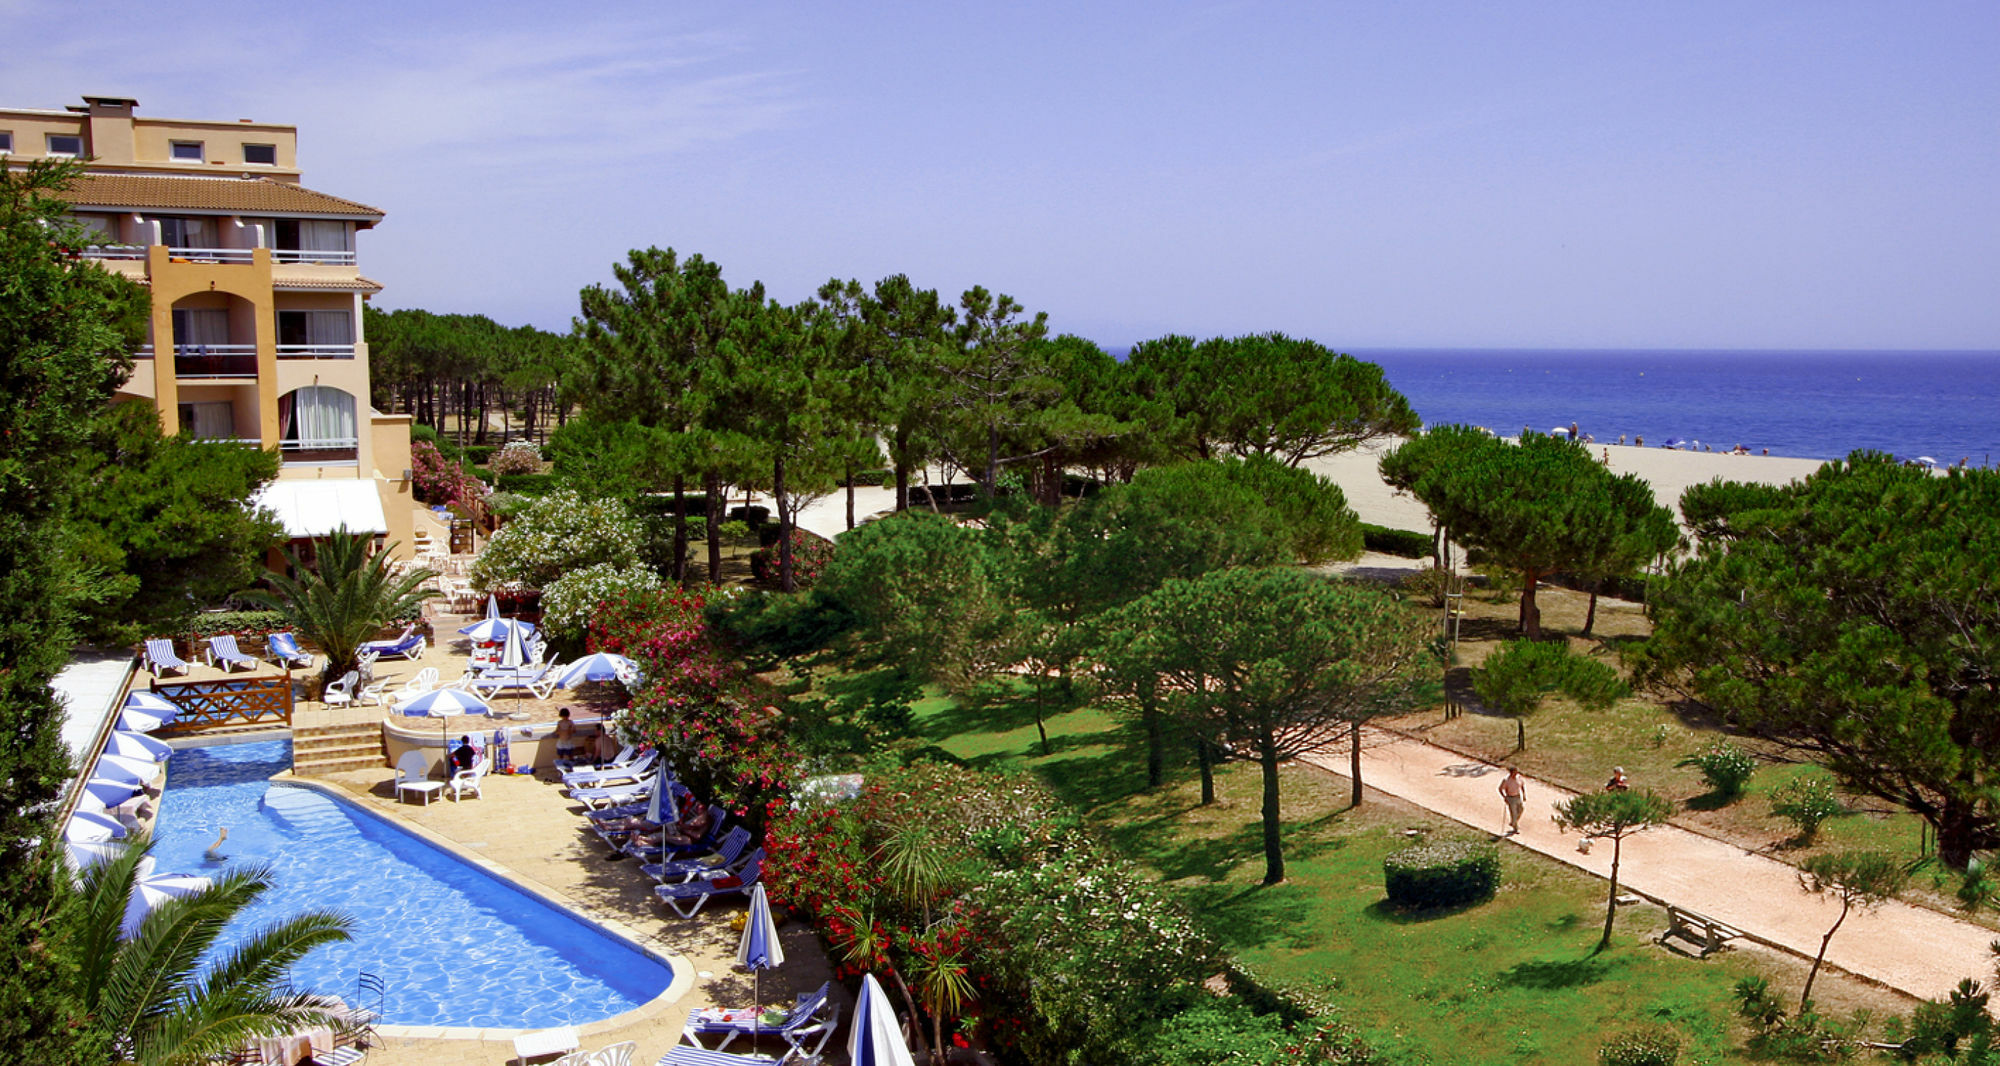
(283,648)
(806,1026)
(683,1055)
(468,780)
(683,869)
(160,657)
(425,680)
(619,1054)
(687,899)
(223,652)
(710,840)
(413,774)
(626,755)
(341,692)
(408,646)
(616,795)
(632,771)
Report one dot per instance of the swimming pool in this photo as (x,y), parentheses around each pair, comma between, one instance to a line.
(454,945)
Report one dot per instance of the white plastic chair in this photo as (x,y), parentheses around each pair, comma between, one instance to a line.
(468,780)
(413,774)
(341,692)
(424,681)
(616,1055)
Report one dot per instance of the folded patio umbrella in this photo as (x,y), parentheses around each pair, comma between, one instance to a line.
(151,889)
(876,1040)
(137,746)
(759,949)
(125,768)
(133,719)
(149,702)
(91,827)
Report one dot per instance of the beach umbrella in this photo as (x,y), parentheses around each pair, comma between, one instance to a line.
(92,827)
(85,854)
(444,703)
(152,703)
(1926,460)
(125,768)
(601,666)
(876,1041)
(492,630)
(658,810)
(151,889)
(110,792)
(759,949)
(492,606)
(137,746)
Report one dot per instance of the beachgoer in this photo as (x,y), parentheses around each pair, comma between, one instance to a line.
(1621,440)
(607,746)
(565,737)
(1767,451)
(1619,782)
(1572,431)
(1607,457)
(463,757)
(1514,793)
(1638,442)
(214,852)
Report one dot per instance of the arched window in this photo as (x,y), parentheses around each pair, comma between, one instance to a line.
(316,417)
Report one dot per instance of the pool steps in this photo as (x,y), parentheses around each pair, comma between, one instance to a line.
(329,749)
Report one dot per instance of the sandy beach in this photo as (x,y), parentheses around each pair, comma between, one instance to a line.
(1670,473)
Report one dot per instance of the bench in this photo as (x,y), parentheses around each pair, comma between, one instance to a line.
(1698,929)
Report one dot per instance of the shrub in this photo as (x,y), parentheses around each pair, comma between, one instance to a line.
(810,554)
(1725,766)
(1429,584)
(518,457)
(1652,1045)
(874,477)
(527,484)
(1442,874)
(555,534)
(242,623)
(784,625)
(479,454)
(1504,584)
(733,531)
(570,601)
(440,479)
(1806,802)
(750,514)
(1396,541)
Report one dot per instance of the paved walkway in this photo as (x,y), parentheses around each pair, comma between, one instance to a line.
(1914,950)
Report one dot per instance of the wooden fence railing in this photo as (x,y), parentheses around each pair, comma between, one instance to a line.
(228,701)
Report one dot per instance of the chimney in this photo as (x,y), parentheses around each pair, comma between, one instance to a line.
(110,135)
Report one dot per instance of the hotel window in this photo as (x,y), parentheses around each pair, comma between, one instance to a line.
(331,331)
(305,236)
(195,327)
(261,154)
(65,144)
(187,232)
(315,417)
(185,151)
(209,421)
(6,142)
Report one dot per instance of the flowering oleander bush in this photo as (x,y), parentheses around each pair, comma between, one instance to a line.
(441,480)
(570,601)
(1725,766)
(810,555)
(518,457)
(1806,802)
(554,535)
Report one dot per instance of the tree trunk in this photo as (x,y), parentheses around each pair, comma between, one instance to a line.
(1957,833)
(1205,758)
(1611,901)
(1156,737)
(1590,616)
(902,488)
(1274,848)
(916,1022)
(785,583)
(479,434)
(992,462)
(711,488)
(1805,997)
(1041,728)
(850,497)
(1531,616)
(1354,763)
(1521,732)
(680,529)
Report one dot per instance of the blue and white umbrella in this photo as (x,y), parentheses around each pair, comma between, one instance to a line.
(147,701)
(139,720)
(444,703)
(759,949)
(876,1040)
(137,746)
(660,805)
(601,666)
(492,606)
(110,792)
(125,768)
(85,854)
(494,630)
(92,827)
(514,652)
(149,890)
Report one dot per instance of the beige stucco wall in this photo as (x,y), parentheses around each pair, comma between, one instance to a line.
(139,142)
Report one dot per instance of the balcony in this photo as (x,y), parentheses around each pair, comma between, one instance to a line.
(305,255)
(320,452)
(316,351)
(215,361)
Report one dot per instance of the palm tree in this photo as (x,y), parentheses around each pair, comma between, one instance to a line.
(152,994)
(346,600)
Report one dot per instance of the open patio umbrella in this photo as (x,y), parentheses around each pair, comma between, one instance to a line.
(490,630)
(759,949)
(600,666)
(876,1041)
(109,791)
(85,854)
(151,889)
(91,827)
(444,703)
(137,746)
(140,772)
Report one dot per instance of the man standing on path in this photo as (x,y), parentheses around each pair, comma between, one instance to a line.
(1515,794)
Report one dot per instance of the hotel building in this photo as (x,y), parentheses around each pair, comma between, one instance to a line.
(256,326)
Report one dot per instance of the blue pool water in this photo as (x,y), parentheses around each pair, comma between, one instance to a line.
(454,945)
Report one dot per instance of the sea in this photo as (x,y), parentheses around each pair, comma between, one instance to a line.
(1944,406)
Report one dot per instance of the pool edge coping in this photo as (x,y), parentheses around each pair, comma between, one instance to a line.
(615,927)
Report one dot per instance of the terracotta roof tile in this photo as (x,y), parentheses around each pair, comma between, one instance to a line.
(354,284)
(246,196)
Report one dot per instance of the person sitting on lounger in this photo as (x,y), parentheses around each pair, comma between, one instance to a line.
(463,757)
(694,825)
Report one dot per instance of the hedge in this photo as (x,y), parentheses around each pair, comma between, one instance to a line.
(242,623)
(479,453)
(1444,873)
(526,484)
(1396,541)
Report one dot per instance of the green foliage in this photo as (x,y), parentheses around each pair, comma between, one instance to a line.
(1517,678)
(478,454)
(1806,801)
(598,457)
(1945,1027)
(1652,1045)
(1844,617)
(1430,585)
(1399,542)
(783,624)
(1445,873)
(66,326)
(1616,815)
(570,601)
(345,598)
(1862,879)
(162,1000)
(1708,509)
(928,590)
(811,553)
(1725,766)
(165,526)
(528,484)
(242,623)
(554,535)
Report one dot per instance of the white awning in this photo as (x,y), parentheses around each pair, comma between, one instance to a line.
(317,508)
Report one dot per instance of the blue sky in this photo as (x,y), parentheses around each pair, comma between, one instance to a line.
(1767,175)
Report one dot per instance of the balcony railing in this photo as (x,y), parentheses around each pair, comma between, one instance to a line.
(321,452)
(210,255)
(215,360)
(252,441)
(316,351)
(115,251)
(304,255)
